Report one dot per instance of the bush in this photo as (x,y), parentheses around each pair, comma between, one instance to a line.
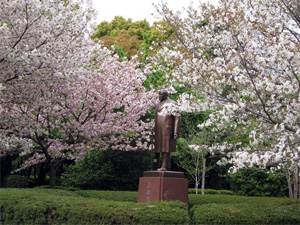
(254,182)
(226,192)
(226,209)
(245,213)
(108,170)
(235,199)
(57,187)
(123,196)
(16,181)
(45,206)
(212,192)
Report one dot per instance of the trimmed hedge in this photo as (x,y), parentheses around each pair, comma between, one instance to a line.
(211,192)
(222,209)
(33,206)
(244,213)
(123,196)
(57,187)
(48,206)
(235,199)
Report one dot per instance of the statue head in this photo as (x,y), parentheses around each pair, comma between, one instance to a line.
(162,95)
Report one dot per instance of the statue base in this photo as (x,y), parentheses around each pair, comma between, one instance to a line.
(163,186)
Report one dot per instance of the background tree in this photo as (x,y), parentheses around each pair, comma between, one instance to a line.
(193,161)
(108,170)
(244,61)
(132,37)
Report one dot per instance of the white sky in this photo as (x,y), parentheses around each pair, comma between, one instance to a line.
(136,9)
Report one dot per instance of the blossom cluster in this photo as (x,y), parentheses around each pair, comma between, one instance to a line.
(61,94)
(242,57)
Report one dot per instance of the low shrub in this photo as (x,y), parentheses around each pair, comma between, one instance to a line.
(244,213)
(212,192)
(16,181)
(235,199)
(226,192)
(123,196)
(45,206)
(254,182)
(226,209)
(57,187)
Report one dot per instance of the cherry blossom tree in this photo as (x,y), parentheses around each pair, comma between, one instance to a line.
(62,95)
(243,57)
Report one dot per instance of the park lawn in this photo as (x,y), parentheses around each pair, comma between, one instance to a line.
(47,206)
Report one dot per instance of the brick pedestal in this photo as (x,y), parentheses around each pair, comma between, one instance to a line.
(163,185)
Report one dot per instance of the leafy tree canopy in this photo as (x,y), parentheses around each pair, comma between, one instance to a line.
(132,37)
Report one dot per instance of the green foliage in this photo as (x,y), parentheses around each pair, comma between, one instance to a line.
(132,37)
(226,192)
(244,214)
(213,192)
(120,25)
(123,196)
(48,206)
(16,181)
(253,182)
(120,51)
(188,159)
(235,199)
(108,170)
(154,80)
(189,123)
(33,206)
(226,209)
(57,187)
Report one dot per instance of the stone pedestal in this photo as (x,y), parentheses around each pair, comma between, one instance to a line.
(163,186)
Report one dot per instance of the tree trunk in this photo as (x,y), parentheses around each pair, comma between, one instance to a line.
(41,174)
(29,172)
(52,173)
(203,175)
(296,171)
(196,187)
(288,178)
(53,167)
(197,181)
(298,184)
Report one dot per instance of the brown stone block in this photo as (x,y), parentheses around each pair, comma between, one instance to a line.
(163,186)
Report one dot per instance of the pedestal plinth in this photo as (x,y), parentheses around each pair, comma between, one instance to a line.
(162,186)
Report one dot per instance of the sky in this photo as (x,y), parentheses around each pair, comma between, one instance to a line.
(135,9)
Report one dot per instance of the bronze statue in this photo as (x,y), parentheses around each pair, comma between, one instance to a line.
(166,131)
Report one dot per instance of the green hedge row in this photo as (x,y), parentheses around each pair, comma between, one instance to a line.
(244,213)
(123,196)
(226,209)
(211,192)
(235,199)
(45,206)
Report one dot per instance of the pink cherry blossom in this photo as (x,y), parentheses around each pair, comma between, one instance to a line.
(61,94)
